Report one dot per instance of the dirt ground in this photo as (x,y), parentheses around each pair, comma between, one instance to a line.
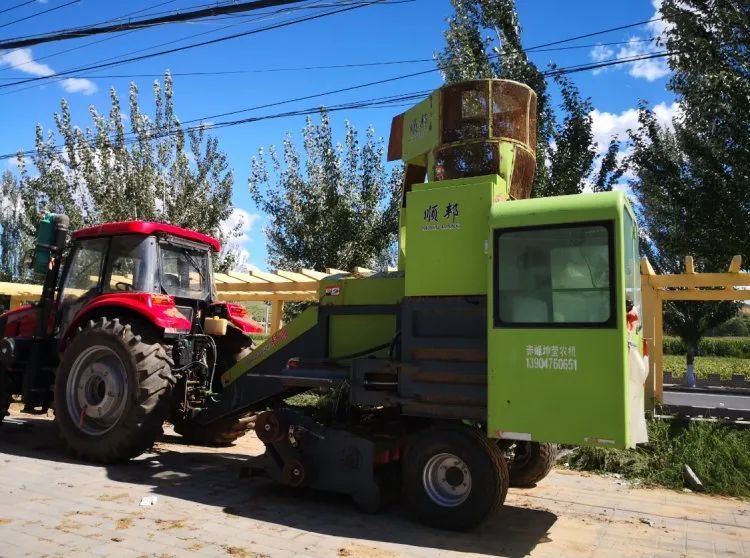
(53,506)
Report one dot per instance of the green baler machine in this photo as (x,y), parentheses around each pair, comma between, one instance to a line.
(510,326)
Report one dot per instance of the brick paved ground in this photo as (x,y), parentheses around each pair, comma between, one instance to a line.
(52,506)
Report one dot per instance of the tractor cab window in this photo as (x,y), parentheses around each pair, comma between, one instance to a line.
(133,264)
(185,270)
(632,263)
(555,276)
(83,277)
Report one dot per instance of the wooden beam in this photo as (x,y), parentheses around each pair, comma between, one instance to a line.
(317,275)
(32,292)
(15,302)
(266,296)
(267,287)
(696,294)
(646,268)
(297,277)
(685,280)
(334,271)
(734,267)
(689,265)
(277,312)
(648,312)
(363,270)
(658,350)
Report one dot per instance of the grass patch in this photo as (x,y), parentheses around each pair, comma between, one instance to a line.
(719,455)
(704,365)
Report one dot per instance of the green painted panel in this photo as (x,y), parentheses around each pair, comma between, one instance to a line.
(565,385)
(344,290)
(421,130)
(447,235)
(353,334)
(299,325)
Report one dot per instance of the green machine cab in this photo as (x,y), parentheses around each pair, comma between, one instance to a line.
(510,325)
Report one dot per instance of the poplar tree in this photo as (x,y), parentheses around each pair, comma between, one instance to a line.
(333,206)
(129,166)
(483,40)
(692,181)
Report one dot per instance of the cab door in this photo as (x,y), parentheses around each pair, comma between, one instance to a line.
(556,335)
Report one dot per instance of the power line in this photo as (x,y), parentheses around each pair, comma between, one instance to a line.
(21,5)
(392,100)
(36,15)
(590,45)
(304,68)
(192,35)
(150,22)
(352,105)
(586,35)
(199,44)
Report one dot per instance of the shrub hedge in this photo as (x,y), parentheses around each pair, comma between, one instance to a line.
(738,347)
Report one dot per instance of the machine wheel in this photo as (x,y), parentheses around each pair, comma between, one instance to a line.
(453,477)
(223,432)
(112,391)
(531,462)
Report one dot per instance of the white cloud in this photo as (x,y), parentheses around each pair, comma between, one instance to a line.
(79,85)
(21,59)
(639,45)
(601,52)
(236,229)
(650,69)
(239,224)
(605,125)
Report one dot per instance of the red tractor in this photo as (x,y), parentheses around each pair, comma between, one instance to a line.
(127,333)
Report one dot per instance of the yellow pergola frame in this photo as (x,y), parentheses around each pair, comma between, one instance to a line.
(655,289)
(276,288)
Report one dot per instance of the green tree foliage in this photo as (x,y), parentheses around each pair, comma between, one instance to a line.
(693,182)
(565,153)
(12,241)
(335,207)
(153,169)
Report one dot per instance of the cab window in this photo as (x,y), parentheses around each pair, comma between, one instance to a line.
(632,263)
(555,276)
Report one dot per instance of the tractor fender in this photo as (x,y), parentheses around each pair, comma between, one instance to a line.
(158,310)
(20,322)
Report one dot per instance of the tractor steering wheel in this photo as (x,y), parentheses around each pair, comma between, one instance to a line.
(122,286)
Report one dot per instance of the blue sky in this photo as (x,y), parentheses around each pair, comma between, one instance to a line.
(404,31)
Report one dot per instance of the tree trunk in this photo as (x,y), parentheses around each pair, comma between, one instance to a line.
(689,361)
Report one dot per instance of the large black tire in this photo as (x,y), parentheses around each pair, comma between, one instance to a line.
(112,391)
(453,476)
(221,433)
(531,462)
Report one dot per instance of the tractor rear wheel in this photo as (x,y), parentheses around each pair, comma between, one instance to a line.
(453,477)
(112,391)
(531,462)
(221,433)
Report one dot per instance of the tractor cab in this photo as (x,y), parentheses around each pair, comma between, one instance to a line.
(124,306)
(142,265)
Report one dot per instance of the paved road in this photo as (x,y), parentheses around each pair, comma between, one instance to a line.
(53,506)
(710,400)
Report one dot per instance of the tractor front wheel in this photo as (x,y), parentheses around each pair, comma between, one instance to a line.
(453,477)
(112,391)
